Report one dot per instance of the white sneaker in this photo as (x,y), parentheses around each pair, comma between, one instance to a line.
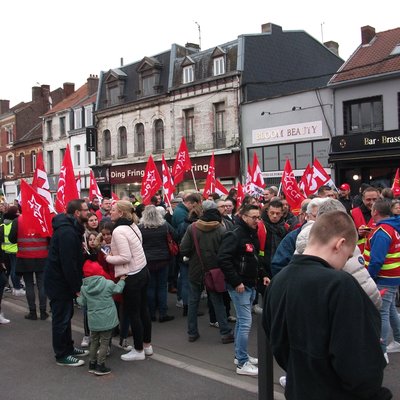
(179,303)
(18,292)
(85,341)
(257,309)
(386,357)
(148,351)
(133,355)
(247,369)
(393,347)
(252,360)
(214,324)
(3,320)
(203,294)
(282,381)
(124,345)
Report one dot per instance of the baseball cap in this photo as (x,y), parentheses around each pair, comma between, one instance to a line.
(396,192)
(344,186)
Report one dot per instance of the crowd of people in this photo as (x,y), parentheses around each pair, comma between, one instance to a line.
(338,258)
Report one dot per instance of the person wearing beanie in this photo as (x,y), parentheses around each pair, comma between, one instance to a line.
(96,294)
(207,231)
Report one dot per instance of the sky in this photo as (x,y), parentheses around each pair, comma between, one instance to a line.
(56,41)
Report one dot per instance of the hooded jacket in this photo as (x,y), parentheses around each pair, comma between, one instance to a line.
(96,294)
(63,270)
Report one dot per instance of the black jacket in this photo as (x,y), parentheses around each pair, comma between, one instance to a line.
(238,256)
(63,270)
(324,332)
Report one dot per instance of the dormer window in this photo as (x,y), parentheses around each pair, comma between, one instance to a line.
(149,71)
(188,74)
(115,86)
(219,66)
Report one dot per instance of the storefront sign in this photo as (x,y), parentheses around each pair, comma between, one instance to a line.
(226,166)
(287,132)
(102,174)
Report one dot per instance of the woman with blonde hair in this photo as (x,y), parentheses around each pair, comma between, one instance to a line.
(128,258)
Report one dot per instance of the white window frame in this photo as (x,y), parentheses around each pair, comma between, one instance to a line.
(10,164)
(89,115)
(78,118)
(33,161)
(22,163)
(10,136)
(78,159)
(219,66)
(188,74)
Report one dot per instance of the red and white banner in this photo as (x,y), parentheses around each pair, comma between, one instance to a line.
(66,190)
(182,163)
(320,176)
(257,179)
(292,192)
(396,181)
(209,186)
(94,190)
(35,211)
(151,181)
(168,184)
(248,186)
(305,181)
(240,195)
(40,182)
(114,196)
(220,188)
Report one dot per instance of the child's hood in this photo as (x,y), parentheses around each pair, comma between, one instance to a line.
(94,285)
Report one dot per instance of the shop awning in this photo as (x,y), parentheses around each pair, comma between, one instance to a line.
(363,155)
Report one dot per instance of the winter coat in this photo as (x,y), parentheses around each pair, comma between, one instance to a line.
(127,250)
(180,213)
(63,269)
(96,294)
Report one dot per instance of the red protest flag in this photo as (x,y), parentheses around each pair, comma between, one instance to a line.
(248,186)
(320,176)
(151,181)
(35,209)
(94,190)
(240,195)
(257,179)
(114,196)
(40,182)
(396,181)
(220,188)
(78,183)
(305,181)
(168,184)
(66,190)
(209,187)
(292,192)
(182,163)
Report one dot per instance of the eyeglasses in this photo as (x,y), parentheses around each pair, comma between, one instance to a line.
(255,218)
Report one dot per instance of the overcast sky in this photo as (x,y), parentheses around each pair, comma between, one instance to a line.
(57,41)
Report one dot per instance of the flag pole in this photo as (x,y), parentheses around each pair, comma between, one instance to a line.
(194,180)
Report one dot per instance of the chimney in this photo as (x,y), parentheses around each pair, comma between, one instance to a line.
(45,91)
(268,27)
(333,47)
(367,34)
(4,106)
(36,93)
(93,83)
(68,88)
(193,46)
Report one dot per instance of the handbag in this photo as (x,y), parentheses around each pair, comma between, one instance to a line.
(214,279)
(172,245)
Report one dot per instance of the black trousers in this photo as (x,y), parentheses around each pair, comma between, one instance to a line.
(62,312)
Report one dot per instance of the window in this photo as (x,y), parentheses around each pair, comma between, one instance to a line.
(107,143)
(22,163)
(188,74)
(62,126)
(219,126)
(77,155)
(122,145)
(10,164)
(49,129)
(189,128)
(363,115)
(62,154)
(139,139)
(148,83)
(396,50)
(10,138)
(78,118)
(33,161)
(158,135)
(219,66)
(50,162)
(89,115)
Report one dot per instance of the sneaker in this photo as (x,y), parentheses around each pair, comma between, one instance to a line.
(8,289)
(193,338)
(101,369)
(386,357)
(32,316)
(179,303)
(18,292)
(80,353)
(257,309)
(231,318)
(69,361)
(148,351)
(134,355)
(214,324)
(203,295)
(85,341)
(124,345)
(252,360)
(3,320)
(92,367)
(247,369)
(393,347)
(282,381)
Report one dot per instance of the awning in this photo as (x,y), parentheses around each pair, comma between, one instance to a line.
(363,155)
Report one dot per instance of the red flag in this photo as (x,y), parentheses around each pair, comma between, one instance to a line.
(182,163)
(78,184)
(396,181)
(151,181)
(94,190)
(257,178)
(248,186)
(40,182)
(209,187)
(66,190)
(114,196)
(168,183)
(319,178)
(305,181)
(240,195)
(35,210)
(291,190)
(220,188)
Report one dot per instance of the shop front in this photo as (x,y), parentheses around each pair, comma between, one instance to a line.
(366,158)
(127,179)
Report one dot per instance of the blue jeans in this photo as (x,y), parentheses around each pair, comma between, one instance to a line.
(195,290)
(183,283)
(242,303)
(389,316)
(157,292)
